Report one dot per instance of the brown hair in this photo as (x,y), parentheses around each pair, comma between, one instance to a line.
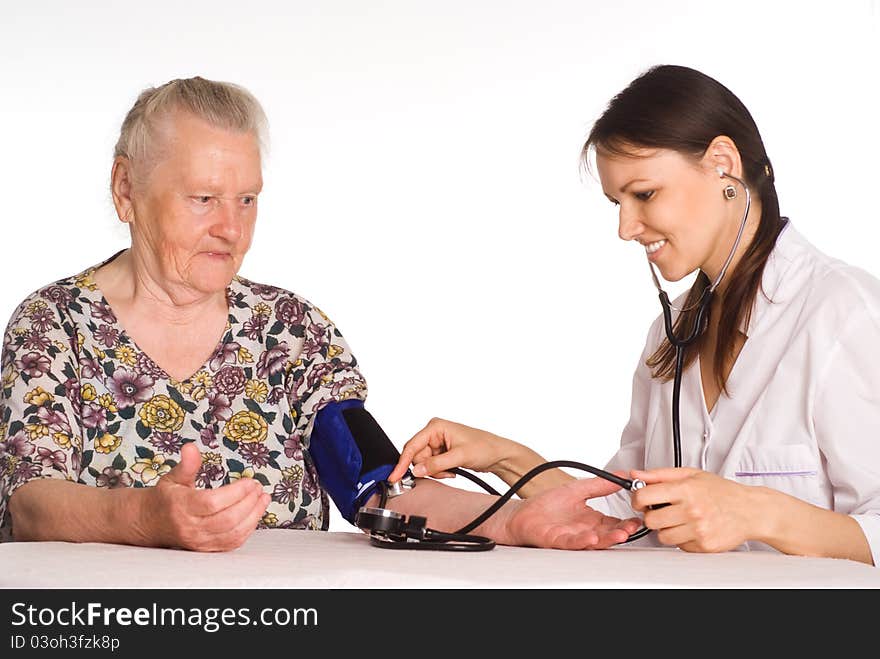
(678,108)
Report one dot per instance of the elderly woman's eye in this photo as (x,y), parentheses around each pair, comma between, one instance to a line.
(248,201)
(202,199)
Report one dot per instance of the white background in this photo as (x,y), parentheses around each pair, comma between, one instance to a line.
(423,185)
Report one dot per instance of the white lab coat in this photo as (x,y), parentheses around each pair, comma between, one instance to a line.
(803,416)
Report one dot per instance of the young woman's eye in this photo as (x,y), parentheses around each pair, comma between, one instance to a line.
(644,196)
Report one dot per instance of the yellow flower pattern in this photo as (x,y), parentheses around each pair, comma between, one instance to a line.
(256,390)
(37,396)
(36,430)
(247,472)
(107,443)
(204,379)
(126,355)
(246,426)
(35,308)
(10,375)
(212,458)
(107,402)
(162,414)
(149,469)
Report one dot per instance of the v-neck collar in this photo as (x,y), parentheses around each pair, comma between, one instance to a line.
(224,337)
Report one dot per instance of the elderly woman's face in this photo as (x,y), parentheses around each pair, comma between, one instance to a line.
(195,211)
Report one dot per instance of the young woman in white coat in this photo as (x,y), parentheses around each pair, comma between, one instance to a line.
(780,391)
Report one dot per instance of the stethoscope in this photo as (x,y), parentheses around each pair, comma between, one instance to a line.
(393,530)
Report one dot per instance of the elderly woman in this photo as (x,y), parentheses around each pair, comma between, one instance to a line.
(159,399)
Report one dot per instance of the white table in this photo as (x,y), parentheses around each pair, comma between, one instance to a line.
(314,559)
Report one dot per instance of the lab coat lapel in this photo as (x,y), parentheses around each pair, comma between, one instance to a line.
(757,363)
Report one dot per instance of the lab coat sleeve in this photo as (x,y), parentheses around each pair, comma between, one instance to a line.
(846,418)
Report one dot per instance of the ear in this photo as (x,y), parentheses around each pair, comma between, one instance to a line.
(722,153)
(121,185)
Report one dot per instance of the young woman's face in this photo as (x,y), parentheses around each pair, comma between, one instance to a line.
(671,205)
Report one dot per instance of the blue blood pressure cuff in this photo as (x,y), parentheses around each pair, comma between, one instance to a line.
(352,454)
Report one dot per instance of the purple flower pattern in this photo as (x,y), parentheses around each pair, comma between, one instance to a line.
(130,387)
(209,438)
(53,459)
(107,335)
(230,381)
(272,360)
(219,406)
(33,364)
(35,340)
(113,478)
(290,310)
(166,442)
(42,320)
(146,366)
(254,453)
(18,446)
(253,328)
(89,367)
(101,311)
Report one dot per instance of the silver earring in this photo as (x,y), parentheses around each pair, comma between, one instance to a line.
(730,192)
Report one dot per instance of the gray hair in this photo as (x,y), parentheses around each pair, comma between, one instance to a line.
(221,104)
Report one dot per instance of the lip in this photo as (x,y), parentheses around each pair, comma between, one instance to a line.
(217,255)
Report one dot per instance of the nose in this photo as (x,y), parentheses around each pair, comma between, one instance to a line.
(228,224)
(629,224)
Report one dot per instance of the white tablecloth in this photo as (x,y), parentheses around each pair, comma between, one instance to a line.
(314,559)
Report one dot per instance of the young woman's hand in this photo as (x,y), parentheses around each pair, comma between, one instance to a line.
(706,513)
(443,445)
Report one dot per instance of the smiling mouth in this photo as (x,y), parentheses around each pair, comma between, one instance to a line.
(650,248)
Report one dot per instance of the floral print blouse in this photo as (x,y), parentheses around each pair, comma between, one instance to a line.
(81,401)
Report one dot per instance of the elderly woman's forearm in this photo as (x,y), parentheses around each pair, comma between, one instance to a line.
(448,509)
(52,509)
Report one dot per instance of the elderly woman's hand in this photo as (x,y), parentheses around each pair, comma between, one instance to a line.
(559,518)
(179,515)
